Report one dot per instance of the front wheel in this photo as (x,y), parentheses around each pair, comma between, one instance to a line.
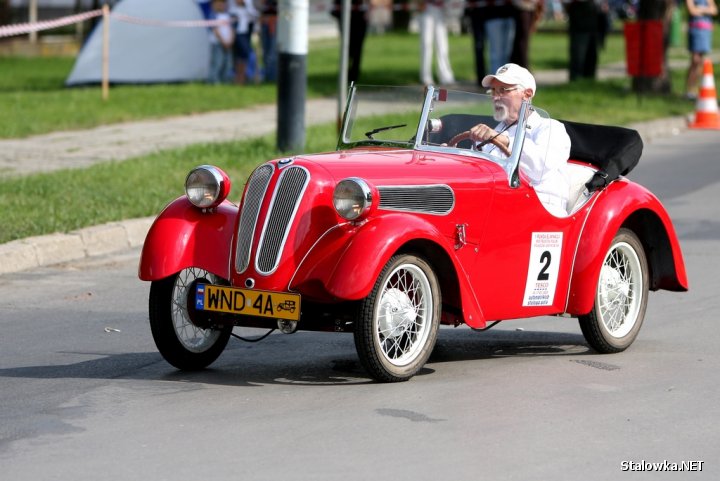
(397,324)
(181,342)
(620,298)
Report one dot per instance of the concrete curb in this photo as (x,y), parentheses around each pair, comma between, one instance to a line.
(48,250)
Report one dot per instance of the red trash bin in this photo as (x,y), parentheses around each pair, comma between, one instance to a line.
(644,48)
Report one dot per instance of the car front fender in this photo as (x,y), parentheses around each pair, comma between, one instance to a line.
(184,236)
(347,260)
(626,204)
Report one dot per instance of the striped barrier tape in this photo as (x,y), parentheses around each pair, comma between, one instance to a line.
(23,28)
(168,23)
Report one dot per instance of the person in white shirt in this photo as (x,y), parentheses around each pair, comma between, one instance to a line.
(245,14)
(433,30)
(547,145)
(222,38)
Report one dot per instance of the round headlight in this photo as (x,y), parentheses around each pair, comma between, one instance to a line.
(207,186)
(352,198)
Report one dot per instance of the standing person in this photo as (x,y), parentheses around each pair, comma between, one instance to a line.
(358,29)
(583,21)
(433,30)
(500,34)
(245,14)
(492,25)
(527,13)
(268,39)
(700,26)
(222,38)
(477,26)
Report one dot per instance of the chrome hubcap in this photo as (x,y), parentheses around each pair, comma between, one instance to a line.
(403,322)
(619,290)
(193,338)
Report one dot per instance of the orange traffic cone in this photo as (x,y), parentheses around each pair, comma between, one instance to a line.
(706,108)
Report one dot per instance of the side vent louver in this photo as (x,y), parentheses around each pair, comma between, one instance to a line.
(426,199)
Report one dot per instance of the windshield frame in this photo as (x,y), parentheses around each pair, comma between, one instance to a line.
(434,96)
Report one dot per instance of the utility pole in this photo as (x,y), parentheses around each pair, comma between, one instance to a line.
(292,73)
(344,45)
(33,18)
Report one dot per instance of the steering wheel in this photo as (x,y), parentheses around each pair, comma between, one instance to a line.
(466,135)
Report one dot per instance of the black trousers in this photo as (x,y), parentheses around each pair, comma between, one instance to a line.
(477,23)
(521,43)
(358,29)
(583,55)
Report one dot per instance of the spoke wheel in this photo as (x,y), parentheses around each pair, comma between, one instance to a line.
(182,342)
(620,297)
(397,324)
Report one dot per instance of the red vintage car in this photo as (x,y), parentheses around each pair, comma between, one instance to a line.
(405,227)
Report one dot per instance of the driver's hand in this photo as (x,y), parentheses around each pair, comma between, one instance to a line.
(482,133)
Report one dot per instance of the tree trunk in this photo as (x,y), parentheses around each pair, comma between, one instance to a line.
(656,10)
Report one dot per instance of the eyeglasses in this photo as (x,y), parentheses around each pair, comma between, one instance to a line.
(501,91)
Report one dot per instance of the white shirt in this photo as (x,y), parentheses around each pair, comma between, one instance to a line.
(225,30)
(543,159)
(245,14)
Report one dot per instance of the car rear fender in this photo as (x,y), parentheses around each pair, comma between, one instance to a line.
(629,205)
(185,236)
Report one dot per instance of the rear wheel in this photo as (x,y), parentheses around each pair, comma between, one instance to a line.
(397,324)
(182,342)
(620,298)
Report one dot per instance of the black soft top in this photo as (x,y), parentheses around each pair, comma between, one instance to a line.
(614,150)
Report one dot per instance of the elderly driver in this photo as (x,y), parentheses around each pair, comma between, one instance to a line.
(547,146)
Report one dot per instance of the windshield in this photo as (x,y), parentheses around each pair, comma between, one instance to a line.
(382,116)
(433,120)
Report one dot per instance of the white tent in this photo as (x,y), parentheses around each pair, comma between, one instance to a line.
(147,52)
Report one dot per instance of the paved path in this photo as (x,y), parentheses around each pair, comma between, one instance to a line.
(82,148)
(78,149)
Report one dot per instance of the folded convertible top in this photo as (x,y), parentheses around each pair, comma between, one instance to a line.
(614,150)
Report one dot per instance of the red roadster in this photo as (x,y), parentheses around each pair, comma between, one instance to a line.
(404,227)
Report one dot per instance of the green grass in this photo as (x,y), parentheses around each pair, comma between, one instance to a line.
(71,199)
(33,100)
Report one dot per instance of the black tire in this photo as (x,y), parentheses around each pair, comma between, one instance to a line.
(397,324)
(620,298)
(182,343)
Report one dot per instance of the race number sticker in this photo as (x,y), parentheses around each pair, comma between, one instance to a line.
(543,268)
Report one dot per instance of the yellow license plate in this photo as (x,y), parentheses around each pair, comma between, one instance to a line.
(248,302)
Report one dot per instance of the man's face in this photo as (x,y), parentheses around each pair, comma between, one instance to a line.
(507,100)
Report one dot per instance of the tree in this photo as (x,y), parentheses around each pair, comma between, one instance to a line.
(656,10)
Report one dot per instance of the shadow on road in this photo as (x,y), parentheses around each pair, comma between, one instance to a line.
(304,359)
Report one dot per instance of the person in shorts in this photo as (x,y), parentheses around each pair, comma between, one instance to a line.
(700,27)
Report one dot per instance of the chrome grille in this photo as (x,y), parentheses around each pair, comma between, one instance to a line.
(257,185)
(288,193)
(426,199)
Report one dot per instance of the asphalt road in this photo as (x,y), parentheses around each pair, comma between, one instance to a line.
(84,395)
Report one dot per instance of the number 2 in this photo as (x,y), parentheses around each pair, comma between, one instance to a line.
(546,258)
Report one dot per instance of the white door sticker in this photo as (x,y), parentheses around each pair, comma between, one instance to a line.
(543,268)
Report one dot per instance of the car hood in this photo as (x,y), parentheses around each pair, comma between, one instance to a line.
(398,167)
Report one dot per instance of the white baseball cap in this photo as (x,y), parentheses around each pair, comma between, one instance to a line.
(512,74)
